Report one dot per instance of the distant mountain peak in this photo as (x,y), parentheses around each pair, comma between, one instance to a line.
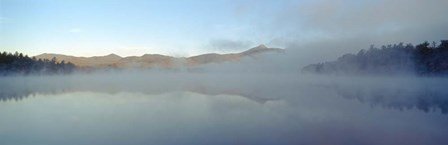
(49,54)
(261,46)
(114,55)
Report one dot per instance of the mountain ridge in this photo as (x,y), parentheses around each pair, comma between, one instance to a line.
(156,60)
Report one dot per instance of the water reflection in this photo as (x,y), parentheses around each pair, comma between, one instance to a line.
(424,99)
(267,111)
(423,95)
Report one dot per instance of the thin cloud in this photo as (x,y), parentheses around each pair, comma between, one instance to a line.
(229,45)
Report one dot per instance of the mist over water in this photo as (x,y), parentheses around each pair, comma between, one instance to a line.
(204,72)
(260,99)
(175,107)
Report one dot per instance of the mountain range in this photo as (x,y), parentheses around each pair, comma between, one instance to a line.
(156,60)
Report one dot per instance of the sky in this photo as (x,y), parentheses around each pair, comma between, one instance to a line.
(191,27)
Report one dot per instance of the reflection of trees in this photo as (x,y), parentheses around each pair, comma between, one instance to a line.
(19,88)
(7,96)
(18,95)
(422,98)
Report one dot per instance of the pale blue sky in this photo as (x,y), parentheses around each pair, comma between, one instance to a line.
(189,27)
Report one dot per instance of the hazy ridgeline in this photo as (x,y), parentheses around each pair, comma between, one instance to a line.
(398,59)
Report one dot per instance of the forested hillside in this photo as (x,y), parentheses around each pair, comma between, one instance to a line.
(423,59)
(20,64)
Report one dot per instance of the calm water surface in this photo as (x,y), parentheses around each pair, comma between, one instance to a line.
(279,112)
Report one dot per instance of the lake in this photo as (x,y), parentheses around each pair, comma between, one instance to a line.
(195,108)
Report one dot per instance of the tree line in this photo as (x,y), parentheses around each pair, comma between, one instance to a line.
(422,59)
(20,64)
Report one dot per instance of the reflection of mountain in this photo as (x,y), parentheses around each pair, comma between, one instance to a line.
(425,99)
(17,96)
(21,90)
(227,91)
(156,60)
(423,95)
